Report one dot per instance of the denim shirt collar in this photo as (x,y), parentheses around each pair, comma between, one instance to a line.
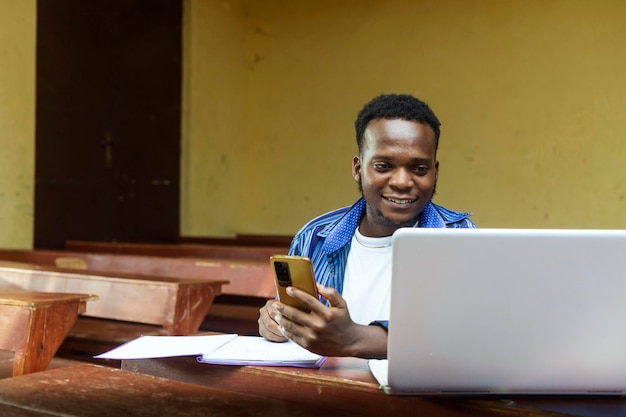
(340,234)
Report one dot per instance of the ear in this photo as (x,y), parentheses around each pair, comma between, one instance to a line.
(356,168)
(436,170)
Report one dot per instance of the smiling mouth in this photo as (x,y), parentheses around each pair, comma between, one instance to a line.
(401,200)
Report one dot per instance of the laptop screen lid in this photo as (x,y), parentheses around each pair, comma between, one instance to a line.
(507,311)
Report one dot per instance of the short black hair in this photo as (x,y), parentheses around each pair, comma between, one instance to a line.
(395,106)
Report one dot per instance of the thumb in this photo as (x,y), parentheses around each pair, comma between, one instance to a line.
(332,295)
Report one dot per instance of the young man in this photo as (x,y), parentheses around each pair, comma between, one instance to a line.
(350,248)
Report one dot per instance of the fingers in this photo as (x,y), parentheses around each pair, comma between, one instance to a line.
(292,321)
(289,325)
(268,326)
(313,303)
(325,330)
(296,322)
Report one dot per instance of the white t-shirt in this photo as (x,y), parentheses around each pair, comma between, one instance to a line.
(367,280)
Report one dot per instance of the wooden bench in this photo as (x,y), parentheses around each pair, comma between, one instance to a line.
(34,324)
(92,390)
(213,251)
(250,284)
(178,305)
(250,278)
(236,310)
(241,240)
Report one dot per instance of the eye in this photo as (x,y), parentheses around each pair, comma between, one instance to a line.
(421,169)
(381,166)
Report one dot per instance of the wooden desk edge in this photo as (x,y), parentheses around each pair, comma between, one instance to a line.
(33,299)
(79,273)
(185,369)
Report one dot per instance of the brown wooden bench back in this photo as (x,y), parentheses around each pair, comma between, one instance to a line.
(177,304)
(258,253)
(252,278)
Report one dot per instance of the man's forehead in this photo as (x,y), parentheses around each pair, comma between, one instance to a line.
(395,125)
(396,129)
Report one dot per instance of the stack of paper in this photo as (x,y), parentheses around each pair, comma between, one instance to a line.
(228,349)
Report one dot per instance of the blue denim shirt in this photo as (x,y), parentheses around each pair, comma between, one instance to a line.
(326,239)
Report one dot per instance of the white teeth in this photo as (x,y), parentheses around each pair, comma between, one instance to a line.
(394,200)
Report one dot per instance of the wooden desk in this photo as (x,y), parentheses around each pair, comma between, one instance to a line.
(34,324)
(345,385)
(96,391)
(177,304)
(246,277)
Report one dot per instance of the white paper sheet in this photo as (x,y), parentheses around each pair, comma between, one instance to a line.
(378,367)
(253,350)
(167,346)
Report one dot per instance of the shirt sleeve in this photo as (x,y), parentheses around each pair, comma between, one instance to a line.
(381,323)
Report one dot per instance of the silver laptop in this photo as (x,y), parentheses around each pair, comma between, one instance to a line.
(508,311)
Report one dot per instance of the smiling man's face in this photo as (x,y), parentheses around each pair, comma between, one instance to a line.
(397,174)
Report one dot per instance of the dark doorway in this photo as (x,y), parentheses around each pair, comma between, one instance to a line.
(107,121)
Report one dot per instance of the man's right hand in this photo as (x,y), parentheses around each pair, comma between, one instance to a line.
(268,326)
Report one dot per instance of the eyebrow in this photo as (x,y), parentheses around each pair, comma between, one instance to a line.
(388,158)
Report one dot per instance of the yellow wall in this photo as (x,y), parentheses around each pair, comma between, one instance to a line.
(17,122)
(214,91)
(531,95)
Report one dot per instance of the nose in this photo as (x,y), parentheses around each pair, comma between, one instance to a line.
(401,178)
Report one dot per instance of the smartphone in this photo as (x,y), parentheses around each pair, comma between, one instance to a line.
(293,271)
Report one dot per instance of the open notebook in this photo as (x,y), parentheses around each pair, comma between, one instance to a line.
(507,311)
(226,349)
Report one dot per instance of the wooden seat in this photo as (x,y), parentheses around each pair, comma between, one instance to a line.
(34,324)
